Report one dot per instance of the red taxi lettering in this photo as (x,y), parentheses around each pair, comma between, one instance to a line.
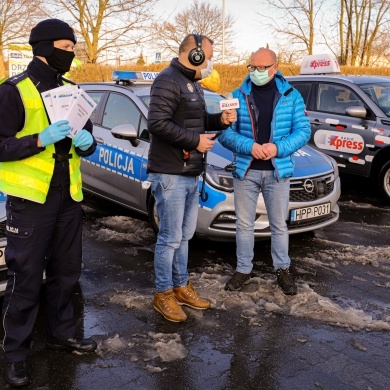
(317,64)
(337,142)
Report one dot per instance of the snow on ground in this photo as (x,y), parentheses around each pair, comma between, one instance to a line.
(260,298)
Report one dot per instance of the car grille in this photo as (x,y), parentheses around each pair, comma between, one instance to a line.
(309,189)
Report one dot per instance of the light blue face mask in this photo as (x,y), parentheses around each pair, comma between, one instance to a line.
(260,78)
(206,72)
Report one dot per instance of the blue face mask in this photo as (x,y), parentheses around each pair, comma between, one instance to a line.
(260,78)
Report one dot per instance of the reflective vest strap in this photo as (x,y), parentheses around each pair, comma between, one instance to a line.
(38,163)
(75,177)
(33,103)
(36,118)
(76,192)
(18,184)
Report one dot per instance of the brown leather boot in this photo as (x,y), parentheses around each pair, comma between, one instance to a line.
(166,304)
(188,296)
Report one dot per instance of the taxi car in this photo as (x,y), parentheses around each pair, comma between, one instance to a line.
(117,169)
(349,116)
(3,244)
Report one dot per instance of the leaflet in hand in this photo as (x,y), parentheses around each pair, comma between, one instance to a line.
(71,103)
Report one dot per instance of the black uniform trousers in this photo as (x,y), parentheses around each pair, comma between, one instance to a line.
(38,234)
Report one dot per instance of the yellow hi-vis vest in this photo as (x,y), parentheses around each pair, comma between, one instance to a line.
(30,177)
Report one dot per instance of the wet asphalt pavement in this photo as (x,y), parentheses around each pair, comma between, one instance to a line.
(333,335)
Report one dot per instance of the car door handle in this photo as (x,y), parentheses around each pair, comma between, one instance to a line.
(315,122)
(99,140)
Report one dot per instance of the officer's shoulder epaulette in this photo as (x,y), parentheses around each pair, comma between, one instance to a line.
(15,79)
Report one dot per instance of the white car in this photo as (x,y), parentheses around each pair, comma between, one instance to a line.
(349,116)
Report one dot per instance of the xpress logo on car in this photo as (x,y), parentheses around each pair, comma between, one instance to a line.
(346,142)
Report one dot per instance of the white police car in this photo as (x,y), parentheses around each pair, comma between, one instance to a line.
(117,169)
(349,116)
(3,244)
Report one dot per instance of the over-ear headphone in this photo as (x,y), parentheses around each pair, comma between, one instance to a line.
(196,56)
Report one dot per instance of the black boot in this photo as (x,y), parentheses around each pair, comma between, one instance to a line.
(16,374)
(237,281)
(72,345)
(286,281)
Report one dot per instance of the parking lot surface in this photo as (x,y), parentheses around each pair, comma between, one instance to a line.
(333,335)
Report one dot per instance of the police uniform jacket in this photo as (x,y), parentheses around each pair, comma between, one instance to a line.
(177,115)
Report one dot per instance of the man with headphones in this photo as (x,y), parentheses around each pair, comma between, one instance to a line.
(177,122)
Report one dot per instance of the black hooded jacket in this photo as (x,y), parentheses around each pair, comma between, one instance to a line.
(177,115)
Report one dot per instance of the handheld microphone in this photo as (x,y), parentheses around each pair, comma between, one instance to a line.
(229,103)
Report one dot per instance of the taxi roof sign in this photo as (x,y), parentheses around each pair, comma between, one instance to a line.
(320,64)
(132,76)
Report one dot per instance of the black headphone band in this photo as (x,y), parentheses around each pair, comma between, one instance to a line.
(198,41)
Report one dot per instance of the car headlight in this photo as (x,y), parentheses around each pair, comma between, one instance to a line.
(335,167)
(219,178)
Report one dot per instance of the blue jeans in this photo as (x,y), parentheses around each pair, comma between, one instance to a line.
(177,202)
(276,198)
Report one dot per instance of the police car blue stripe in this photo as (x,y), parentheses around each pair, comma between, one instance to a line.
(119,161)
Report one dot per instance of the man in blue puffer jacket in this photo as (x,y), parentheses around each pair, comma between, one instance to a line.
(271,125)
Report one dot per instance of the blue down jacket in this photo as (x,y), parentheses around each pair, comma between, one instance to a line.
(290,128)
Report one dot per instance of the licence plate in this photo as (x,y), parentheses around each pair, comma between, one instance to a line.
(304,213)
(2,257)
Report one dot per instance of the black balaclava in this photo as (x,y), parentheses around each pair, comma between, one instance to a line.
(42,37)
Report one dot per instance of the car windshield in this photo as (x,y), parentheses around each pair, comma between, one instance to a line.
(380,94)
(212,102)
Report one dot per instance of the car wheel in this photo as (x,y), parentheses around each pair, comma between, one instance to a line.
(153,216)
(384,180)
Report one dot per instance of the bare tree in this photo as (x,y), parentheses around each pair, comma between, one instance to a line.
(293,22)
(362,23)
(202,18)
(380,53)
(17,17)
(106,26)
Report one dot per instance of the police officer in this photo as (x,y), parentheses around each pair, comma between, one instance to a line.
(40,173)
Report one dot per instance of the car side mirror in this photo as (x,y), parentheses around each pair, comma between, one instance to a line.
(126,131)
(356,111)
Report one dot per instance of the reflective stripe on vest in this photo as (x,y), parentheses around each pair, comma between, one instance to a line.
(30,178)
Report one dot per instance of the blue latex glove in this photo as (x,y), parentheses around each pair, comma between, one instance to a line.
(55,132)
(83,139)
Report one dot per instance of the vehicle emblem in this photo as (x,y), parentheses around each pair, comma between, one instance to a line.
(308,185)
(190,87)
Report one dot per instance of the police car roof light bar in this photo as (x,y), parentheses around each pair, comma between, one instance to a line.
(132,77)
